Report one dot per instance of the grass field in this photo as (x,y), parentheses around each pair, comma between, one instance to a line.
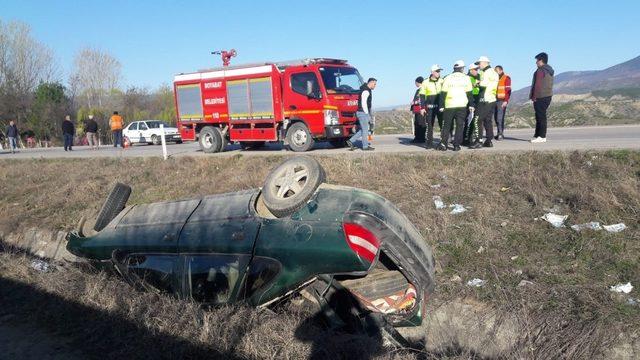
(564,303)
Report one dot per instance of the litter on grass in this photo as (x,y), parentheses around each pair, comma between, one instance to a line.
(554,219)
(435,186)
(622,288)
(457,209)
(476,282)
(437,200)
(40,265)
(615,227)
(594,225)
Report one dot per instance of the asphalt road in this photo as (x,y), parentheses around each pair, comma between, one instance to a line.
(566,139)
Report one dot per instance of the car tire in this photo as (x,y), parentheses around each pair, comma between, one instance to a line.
(291,184)
(155,140)
(114,204)
(338,143)
(299,137)
(211,140)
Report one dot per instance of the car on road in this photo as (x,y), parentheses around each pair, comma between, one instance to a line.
(347,251)
(148,132)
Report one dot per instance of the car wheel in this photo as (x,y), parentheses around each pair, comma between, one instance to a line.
(155,140)
(251,145)
(338,143)
(299,138)
(288,187)
(116,201)
(210,139)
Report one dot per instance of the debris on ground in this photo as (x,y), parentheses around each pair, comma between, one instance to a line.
(524,283)
(505,189)
(554,219)
(555,209)
(476,282)
(513,258)
(614,228)
(519,272)
(437,200)
(480,250)
(594,225)
(622,288)
(503,224)
(435,186)
(632,301)
(457,209)
(456,279)
(40,265)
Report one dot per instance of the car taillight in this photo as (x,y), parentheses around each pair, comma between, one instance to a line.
(362,241)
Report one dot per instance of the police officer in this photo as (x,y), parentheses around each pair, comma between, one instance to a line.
(455,96)
(487,104)
(419,122)
(471,126)
(429,98)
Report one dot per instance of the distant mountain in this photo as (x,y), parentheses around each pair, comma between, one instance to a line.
(624,75)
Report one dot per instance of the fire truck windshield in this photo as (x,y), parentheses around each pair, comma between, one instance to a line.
(341,80)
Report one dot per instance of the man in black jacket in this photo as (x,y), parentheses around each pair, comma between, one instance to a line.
(91,129)
(12,134)
(68,130)
(541,94)
(419,120)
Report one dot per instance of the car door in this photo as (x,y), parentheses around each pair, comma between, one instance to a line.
(145,133)
(213,279)
(132,132)
(161,271)
(303,99)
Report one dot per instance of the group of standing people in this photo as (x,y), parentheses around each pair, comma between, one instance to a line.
(116,123)
(467,105)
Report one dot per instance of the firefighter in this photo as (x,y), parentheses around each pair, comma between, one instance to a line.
(503,95)
(487,99)
(455,97)
(471,125)
(419,119)
(429,99)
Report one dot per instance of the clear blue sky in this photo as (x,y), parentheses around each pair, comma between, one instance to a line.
(394,41)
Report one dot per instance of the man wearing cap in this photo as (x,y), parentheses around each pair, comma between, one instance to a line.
(471,125)
(456,95)
(487,102)
(541,93)
(419,122)
(429,99)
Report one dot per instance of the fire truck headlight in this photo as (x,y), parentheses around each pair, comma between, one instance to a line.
(331,117)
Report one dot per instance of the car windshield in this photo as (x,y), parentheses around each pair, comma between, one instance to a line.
(341,80)
(155,124)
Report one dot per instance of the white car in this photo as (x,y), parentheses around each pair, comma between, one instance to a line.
(148,132)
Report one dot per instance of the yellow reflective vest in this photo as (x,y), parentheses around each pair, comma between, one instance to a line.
(456,87)
(429,91)
(489,80)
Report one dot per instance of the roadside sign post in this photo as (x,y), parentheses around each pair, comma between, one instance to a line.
(164,142)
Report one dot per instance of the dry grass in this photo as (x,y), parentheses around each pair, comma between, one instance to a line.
(568,311)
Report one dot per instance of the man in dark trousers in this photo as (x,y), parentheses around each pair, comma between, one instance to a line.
(12,134)
(419,120)
(455,100)
(364,115)
(68,130)
(541,93)
(429,98)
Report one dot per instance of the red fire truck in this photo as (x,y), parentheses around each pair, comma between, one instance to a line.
(296,103)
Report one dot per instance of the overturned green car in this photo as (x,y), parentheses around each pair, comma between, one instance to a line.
(348,250)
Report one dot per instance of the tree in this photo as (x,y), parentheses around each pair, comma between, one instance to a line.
(24,63)
(163,104)
(49,107)
(95,75)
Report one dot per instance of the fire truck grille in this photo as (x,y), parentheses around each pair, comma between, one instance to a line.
(348,114)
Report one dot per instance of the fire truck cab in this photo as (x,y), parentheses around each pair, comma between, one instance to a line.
(296,103)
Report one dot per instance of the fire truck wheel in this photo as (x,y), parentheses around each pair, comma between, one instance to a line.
(299,137)
(211,139)
(289,186)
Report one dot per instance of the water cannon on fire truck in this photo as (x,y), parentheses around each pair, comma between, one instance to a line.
(226,56)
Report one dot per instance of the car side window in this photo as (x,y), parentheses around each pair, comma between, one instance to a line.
(133,126)
(143,126)
(260,274)
(303,83)
(213,278)
(157,270)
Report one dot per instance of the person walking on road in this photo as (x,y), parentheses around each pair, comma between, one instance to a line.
(503,95)
(487,100)
(116,123)
(541,94)
(429,100)
(456,96)
(364,115)
(12,134)
(419,119)
(68,131)
(91,129)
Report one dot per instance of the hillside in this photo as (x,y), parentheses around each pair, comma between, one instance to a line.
(624,75)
